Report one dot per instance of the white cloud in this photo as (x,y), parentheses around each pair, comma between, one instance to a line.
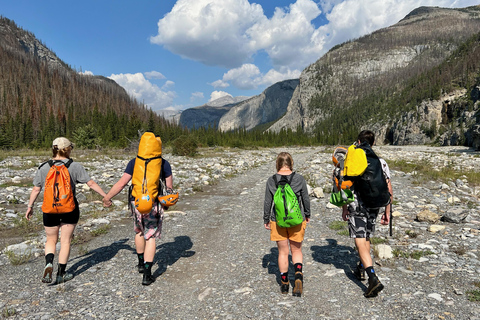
(154,75)
(219,84)
(230,32)
(248,77)
(210,31)
(218,94)
(144,91)
(196,96)
(86,73)
(168,84)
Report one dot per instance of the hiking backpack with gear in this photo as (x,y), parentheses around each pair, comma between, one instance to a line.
(372,186)
(58,192)
(146,172)
(287,208)
(341,193)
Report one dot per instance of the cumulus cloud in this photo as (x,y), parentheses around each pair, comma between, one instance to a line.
(144,91)
(229,32)
(154,75)
(249,77)
(218,94)
(196,96)
(86,73)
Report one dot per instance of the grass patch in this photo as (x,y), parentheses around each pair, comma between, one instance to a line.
(100,230)
(338,225)
(425,171)
(411,233)
(474,295)
(376,240)
(417,254)
(197,188)
(8,312)
(25,227)
(18,259)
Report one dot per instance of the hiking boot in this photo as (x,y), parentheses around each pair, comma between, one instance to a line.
(359,273)
(285,286)
(374,287)
(47,273)
(148,279)
(298,288)
(141,268)
(64,277)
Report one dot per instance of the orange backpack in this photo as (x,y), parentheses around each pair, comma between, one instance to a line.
(58,194)
(146,173)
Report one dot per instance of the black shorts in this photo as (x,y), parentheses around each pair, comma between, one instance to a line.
(56,219)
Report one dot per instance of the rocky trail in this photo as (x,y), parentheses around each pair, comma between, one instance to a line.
(215,259)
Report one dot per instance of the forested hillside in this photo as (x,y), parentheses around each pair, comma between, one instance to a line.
(376,80)
(41,98)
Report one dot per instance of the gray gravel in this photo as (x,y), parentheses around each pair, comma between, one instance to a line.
(215,260)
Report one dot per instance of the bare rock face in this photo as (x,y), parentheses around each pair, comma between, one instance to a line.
(351,71)
(266,107)
(208,114)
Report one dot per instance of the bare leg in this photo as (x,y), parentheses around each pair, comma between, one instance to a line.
(52,238)
(363,246)
(65,241)
(283,255)
(297,256)
(139,243)
(149,249)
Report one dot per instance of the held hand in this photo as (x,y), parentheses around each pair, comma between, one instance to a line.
(267,226)
(307,219)
(107,203)
(345,215)
(29,213)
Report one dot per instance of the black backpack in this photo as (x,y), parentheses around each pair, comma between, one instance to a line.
(372,186)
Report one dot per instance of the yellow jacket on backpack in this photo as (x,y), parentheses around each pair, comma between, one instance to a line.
(148,164)
(355,162)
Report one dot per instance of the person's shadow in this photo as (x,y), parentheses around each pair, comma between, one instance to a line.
(168,253)
(270,262)
(341,257)
(97,256)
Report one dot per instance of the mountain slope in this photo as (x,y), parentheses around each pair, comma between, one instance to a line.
(42,97)
(352,86)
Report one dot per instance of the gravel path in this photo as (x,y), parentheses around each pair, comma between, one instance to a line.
(215,261)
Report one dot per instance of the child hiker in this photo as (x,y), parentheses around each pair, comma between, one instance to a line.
(287,238)
(362,213)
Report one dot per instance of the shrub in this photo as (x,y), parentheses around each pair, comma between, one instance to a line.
(184,146)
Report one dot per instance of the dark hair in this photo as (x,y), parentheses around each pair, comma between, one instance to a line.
(284,159)
(366,135)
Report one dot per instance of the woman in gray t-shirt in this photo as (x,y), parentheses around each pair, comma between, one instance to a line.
(56,222)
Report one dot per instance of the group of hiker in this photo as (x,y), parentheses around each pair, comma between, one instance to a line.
(286,206)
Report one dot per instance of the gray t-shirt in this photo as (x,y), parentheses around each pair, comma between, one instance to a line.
(77,172)
(298,185)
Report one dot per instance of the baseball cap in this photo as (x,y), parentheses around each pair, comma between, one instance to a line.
(62,143)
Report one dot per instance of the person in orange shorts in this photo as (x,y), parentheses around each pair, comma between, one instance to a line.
(288,239)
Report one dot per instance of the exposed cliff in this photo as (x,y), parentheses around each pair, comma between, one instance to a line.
(360,77)
(270,105)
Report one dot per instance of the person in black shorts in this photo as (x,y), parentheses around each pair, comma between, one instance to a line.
(60,222)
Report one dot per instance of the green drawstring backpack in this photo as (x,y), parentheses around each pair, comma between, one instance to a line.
(287,208)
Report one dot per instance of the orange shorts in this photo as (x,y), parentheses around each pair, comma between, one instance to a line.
(293,233)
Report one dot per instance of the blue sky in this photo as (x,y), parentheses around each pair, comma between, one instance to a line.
(177,54)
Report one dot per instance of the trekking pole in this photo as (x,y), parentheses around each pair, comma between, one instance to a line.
(391,220)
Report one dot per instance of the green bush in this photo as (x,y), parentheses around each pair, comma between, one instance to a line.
(184,146)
